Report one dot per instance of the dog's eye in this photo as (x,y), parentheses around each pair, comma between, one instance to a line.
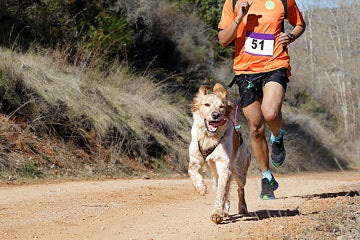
(207,105)
(222,106)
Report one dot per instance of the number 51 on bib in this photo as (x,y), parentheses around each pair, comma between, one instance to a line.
(259,44)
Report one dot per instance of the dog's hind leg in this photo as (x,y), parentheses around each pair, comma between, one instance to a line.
(242,207)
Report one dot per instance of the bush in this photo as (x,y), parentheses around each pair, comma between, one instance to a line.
(58,23)
(110,36)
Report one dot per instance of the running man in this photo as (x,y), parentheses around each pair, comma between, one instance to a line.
(262,68)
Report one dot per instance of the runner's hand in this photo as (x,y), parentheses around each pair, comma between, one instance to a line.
(243,8)
(286,38)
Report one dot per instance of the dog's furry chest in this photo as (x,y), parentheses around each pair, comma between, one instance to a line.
(206,152)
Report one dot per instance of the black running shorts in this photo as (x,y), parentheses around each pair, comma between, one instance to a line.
(251,85)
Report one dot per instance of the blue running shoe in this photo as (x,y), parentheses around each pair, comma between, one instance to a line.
(278,153)
(268,188)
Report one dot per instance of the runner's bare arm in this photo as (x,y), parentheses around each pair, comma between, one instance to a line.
(227,35)
(287,38)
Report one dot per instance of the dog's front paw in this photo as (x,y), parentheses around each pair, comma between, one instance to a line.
(201,189)
(216,217)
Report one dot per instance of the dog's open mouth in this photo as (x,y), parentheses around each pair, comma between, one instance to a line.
(212,126)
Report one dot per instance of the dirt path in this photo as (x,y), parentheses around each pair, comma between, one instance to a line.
(164,209)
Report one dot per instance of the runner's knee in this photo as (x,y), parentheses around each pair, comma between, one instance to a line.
(257,131)
(271,115)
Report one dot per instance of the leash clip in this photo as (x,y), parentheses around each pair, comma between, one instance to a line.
(250,84)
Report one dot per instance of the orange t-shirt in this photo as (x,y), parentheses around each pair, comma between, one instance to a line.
(257,48)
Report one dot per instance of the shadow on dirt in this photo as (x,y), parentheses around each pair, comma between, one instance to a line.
(264,214)
(351,193)
(260,215)
(332,195)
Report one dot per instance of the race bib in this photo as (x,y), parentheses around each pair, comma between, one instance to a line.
(259,44)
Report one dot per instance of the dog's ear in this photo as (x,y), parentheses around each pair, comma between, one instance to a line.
(203,90)
(220,90)
(195,105)
(228,109)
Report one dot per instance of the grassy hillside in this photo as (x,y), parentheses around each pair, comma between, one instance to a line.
(105,88)
(64,120)
(110,115)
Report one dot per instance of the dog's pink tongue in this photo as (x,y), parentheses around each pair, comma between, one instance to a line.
(215,124)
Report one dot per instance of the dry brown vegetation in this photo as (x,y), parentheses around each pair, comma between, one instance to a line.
(112,116)
(133,116)
(326,69)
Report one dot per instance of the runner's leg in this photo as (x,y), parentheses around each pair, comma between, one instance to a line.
(256,124)
(271,105)
(271,108)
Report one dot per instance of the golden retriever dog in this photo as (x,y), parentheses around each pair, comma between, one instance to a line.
(216,145)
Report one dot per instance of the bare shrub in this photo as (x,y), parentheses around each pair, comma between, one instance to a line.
(325,64)
(330,67)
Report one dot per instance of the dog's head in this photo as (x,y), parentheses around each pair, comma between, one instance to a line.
(213,108)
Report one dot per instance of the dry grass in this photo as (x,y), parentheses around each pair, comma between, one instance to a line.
(325,61)
(127,112)
(26,155)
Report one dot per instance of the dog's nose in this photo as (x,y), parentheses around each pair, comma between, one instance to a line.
(215,115)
